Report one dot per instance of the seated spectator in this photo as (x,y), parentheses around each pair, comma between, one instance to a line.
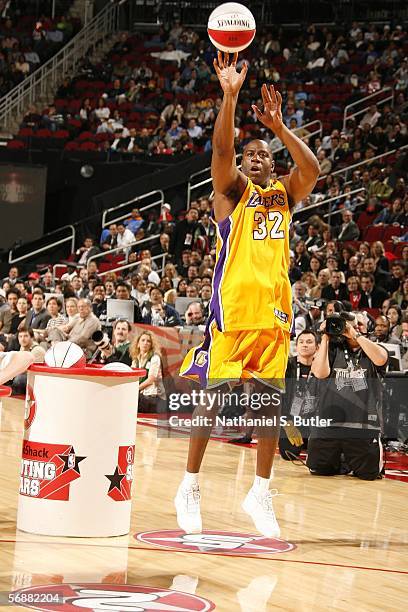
(80,290)
(87,250)
(372,296)
(404,342)
(80,329)
(394,315)
(99,304)
(354,297)
(134,222)
(382,332)
(324,162)
(349,229)
(311,319)
(125,238)
(156,312)
(7,314)
(37,316)
(378,252)
(54,307)
(118,349)
(194,315)
(27,343)
(323,278)
(109,238)
(301,257)
(123,292)
(71,309)
(336,289)
(19,318)
(145,353)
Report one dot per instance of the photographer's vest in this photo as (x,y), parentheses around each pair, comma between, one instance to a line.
(352,395)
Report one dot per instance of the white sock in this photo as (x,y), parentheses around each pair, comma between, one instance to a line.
(261,484)
(190,479)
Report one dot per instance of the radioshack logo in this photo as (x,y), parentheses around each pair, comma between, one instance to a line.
(120,486)
(215,542)
(30,408)
(74,597)
(47,470)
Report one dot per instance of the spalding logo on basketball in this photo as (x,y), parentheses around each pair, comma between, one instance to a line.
(90,597)
(226,542)
(65,355)
(231,27)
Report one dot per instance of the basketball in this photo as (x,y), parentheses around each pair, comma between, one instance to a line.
(231,27)
(65,355)
(117,366)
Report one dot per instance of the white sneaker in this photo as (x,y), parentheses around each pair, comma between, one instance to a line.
(187,503)
(260,509)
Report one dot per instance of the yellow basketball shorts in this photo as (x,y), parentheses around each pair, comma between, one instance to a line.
(239,356)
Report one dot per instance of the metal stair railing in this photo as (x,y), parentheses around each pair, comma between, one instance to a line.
(372,99)
(114,209)
(64,63)
(122,249)
(47,247)
(135,264)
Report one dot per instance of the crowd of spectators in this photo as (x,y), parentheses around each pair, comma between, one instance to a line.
(28,39)
(158,94)
(348,240)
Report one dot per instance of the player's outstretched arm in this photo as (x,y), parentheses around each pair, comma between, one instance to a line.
(302,179)
(229,183)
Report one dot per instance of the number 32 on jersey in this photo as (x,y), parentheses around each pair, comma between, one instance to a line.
(273,218)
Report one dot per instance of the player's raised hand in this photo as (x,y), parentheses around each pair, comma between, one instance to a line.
(231,80)
(271,116)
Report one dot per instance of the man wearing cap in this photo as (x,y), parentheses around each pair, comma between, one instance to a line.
(313,318)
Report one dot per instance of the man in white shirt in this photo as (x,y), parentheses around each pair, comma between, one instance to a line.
(371,117)
(125,238)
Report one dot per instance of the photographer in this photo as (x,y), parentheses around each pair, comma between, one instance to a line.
(300,395)
(118,349)
(350,399)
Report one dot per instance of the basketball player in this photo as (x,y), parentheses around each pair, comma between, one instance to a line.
(247,334)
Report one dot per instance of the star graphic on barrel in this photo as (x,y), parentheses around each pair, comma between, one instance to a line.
(71,461)
(115,479)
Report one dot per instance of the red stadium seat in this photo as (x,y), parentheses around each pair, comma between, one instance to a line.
(16,144)
(373,233)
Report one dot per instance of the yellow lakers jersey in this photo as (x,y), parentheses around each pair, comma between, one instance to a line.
(251,288)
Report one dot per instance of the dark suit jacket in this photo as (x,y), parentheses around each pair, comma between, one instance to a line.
(329,294)
(37,321)
(378,295)
(351,232)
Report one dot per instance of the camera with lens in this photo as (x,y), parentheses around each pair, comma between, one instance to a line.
(101,340)
(336,323)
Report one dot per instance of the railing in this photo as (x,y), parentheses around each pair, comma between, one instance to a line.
(191,187)
(135,264)
(121,248)
(324,202)
(60,65)
(48,247)
(376,94)
(128,203)
(363,163)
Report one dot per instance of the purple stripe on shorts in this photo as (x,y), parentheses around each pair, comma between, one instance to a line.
(201,370)
(215,304)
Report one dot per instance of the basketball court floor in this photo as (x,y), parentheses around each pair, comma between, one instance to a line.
(343,545)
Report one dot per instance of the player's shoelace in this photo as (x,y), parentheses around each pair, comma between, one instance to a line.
(192,499)
(267,501)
